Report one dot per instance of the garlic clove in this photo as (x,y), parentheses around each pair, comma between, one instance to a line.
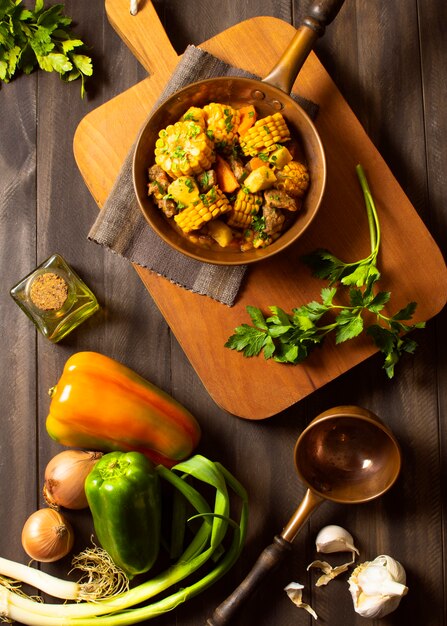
(295,593)
(377,586)
(334,538)
(329,572)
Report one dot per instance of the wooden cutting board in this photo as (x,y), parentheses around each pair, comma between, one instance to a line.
(411,263)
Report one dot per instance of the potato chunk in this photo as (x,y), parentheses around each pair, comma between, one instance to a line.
(220,232)
(260,178)
(184,190)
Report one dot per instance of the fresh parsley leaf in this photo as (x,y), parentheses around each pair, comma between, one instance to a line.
(349,326)
(257,317)
(247,339)
(279,317)
(406,313)
(356,298)
(376,304)
(327,295)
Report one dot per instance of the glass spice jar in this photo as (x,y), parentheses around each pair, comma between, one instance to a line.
(55,298)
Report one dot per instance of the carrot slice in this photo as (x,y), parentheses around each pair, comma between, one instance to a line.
(226,180)
(248,118)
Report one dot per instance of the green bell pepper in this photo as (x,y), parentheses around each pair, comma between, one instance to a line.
(123,493)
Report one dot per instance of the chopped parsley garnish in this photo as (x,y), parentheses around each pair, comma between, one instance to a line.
(228,120)
(189,185)
(258,225)
(221,145)
(179,153)
(194,130)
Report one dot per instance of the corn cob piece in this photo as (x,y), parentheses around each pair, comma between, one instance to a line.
(207,207)
(264,135)
(184,149)
(194,114)
(293,179)
(222,123)
(245,207)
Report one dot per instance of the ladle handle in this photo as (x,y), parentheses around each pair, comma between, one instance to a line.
(319,15)
(267,562)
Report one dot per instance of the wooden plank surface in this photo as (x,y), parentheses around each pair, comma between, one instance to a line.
(103,139)
(387,59)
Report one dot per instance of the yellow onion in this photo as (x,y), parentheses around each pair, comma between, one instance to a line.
(65,475)
(47,536)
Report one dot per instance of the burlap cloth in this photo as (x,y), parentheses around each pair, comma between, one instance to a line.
(121,227)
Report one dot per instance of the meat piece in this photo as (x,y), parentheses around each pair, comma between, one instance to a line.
(158,188)
(273,219)
(158,180)
(238,169)
(206,181)
(168,207)
(277,199)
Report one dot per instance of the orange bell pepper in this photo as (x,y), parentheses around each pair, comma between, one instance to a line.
(100,404)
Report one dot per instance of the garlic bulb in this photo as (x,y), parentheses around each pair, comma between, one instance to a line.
(335,539)
(295,593)
(377,586)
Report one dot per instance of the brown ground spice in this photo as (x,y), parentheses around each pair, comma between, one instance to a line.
(49,291)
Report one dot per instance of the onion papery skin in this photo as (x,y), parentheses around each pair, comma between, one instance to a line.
(65,476)
(47,536)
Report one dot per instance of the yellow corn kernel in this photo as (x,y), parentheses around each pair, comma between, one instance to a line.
(293,179)
(245,207)
(207,207)
(184,149)
(222,122)
(194,114)
(264,135)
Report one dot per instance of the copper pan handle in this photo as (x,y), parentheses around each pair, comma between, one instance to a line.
(319,14)
(269,559)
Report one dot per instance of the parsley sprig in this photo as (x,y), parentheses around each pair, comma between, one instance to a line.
(40,37)
(289,338)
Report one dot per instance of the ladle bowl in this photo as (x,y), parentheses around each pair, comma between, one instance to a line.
(345,455)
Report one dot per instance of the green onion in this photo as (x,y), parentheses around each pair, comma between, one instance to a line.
(206,544)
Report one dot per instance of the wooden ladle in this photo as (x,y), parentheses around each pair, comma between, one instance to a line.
(346,455)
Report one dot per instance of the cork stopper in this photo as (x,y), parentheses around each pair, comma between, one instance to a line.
(49,291)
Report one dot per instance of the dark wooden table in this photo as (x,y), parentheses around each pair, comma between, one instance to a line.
(389,59)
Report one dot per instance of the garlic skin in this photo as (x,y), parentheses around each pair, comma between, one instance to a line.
(377,586)
(295,592)
(329,572)
(334,538)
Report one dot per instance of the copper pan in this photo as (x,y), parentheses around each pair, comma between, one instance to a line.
(268,95)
